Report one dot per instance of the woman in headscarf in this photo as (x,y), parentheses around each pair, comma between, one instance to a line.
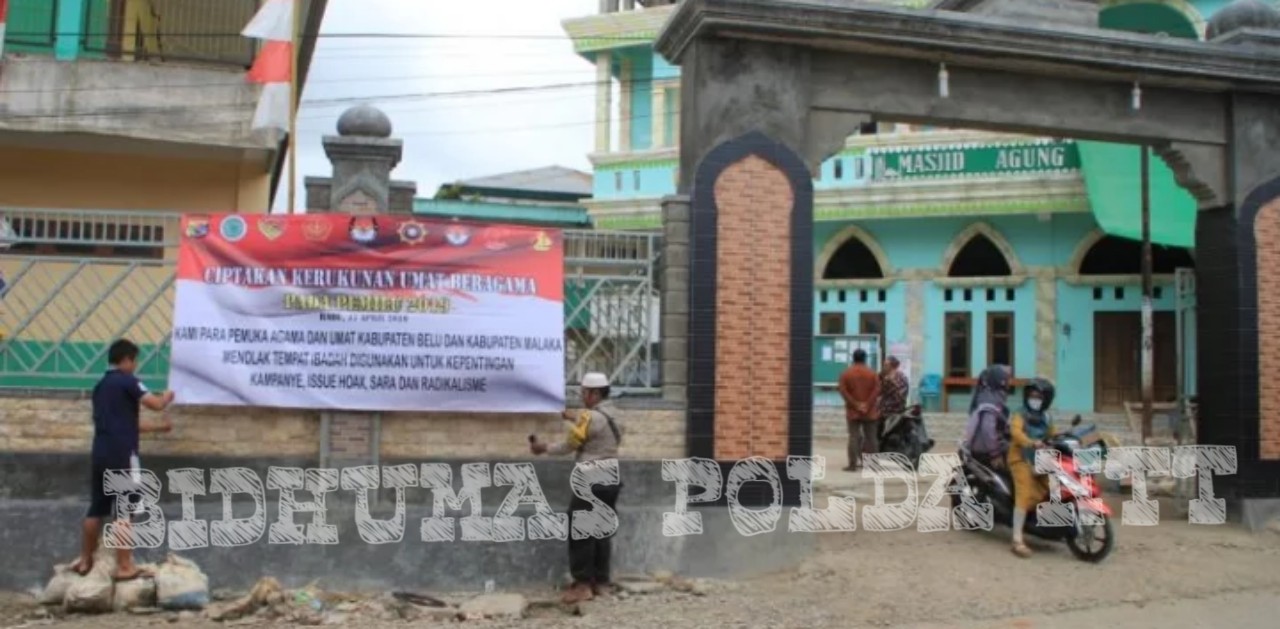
(984,433)
(993,388)
(1030,429)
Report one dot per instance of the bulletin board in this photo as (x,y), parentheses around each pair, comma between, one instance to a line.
(833,354)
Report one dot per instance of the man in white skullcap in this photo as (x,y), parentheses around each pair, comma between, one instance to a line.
(595,434)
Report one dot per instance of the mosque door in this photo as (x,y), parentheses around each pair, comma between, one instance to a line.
(1118,359)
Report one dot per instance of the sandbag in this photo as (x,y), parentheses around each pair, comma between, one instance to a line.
(135,593)
(89,594)
(56,591)
(180,585)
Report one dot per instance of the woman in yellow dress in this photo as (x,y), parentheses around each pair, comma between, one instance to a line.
(1030,429)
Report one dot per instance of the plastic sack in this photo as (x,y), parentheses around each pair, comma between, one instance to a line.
(56,591)
(180,585)
(135,593)
(90,594)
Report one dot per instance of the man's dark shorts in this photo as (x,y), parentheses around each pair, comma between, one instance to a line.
(101,505)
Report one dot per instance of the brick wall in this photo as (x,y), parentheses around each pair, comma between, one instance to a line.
(43,425)
(1266,229)
(65,426)
(753,303)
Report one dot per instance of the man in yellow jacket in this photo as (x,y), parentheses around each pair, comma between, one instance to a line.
(594,435)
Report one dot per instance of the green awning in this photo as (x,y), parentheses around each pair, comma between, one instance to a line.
(1112,176)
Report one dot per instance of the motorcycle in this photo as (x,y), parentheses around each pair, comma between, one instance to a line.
(1090,537)
(905,434)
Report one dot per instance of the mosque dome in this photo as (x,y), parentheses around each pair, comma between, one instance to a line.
(1242,14)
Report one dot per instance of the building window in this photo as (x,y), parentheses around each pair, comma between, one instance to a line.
(617,181)
(635,179)
(1119,256)
(872,323)
(959,331)
(853,261)
(672,114)
(838,169)
(1000,338)
(96,240)
(831,323)
(980,258)
(859,168)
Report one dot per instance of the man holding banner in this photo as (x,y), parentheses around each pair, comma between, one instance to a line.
(594,437)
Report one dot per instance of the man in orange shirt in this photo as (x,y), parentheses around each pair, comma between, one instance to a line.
(860,388)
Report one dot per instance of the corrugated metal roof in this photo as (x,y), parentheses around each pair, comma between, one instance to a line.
(556,179)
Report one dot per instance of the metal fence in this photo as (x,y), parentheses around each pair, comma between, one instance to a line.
(73,281)
(171,30)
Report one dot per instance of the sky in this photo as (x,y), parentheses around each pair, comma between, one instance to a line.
(491,44)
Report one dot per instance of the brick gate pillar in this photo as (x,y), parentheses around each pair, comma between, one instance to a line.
(750,328)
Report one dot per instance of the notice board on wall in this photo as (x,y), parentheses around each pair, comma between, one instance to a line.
(832,354)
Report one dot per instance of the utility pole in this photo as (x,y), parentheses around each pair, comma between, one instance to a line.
(1148,357)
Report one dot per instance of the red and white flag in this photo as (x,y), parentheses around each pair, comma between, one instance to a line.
(273,69)
(274,22)
(4,17)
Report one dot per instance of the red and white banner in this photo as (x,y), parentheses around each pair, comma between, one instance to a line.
(368,313)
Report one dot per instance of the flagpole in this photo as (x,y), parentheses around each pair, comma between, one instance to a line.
(293,104)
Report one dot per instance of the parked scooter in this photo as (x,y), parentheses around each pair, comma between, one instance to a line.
(1091,536)
(905,434)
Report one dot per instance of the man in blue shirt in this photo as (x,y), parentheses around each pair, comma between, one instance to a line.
(116,427)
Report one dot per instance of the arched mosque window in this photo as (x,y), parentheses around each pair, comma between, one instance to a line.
(853,261)
(1121,256)
(980,258)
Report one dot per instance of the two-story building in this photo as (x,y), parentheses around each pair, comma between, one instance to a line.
(115,117)
(954,248)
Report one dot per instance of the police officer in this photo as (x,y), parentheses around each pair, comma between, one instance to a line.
(594,435)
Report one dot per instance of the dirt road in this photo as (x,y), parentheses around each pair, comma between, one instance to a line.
(1172,576)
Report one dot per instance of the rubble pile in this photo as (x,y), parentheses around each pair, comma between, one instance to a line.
(180,590)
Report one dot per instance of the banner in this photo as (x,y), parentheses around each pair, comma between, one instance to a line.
(368,313)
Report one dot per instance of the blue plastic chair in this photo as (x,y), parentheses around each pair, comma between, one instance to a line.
(930,389)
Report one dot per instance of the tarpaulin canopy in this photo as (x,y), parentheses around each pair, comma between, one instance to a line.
(1113,178)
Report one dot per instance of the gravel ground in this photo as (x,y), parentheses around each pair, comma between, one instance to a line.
(907,578)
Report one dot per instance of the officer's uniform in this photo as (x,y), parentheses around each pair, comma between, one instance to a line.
(595,436)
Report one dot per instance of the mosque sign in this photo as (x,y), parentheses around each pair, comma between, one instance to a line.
(975,160)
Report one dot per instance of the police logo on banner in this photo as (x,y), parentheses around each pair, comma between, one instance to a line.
(233,228)
(413,232)
(542,243)
(317,229)
(271,228)
(197,227)
(457,235)
(363,229)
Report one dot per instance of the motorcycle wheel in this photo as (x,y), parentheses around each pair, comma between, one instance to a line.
(1094,543)
(956,502)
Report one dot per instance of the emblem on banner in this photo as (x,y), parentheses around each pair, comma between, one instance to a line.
(413,232)
(233,228)
(317,229)
(272,228)
(363,229)
(495,239)
(542,242)
(457,235)
(197,226)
